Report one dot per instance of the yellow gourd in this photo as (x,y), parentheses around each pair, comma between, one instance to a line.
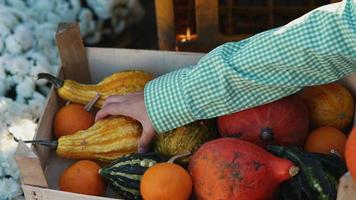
(105,141)
(119,83)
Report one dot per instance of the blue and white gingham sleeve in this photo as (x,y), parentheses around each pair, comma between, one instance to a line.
(317,48)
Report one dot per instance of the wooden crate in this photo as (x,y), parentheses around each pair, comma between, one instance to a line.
(39,166)
(214,22)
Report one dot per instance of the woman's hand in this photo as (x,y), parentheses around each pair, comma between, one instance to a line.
(130,105)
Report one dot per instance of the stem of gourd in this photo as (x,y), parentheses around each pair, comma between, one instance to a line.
(52,144)
(58,83)
(92,102)
(178,156)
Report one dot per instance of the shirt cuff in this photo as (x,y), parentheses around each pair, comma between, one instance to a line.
(165,102)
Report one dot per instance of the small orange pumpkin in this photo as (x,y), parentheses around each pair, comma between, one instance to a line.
(329,105)
(72,118)
(325,140)
(166,181)
(83,177)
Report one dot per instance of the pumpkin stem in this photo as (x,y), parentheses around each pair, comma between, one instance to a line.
(294,170)
(52,144)
(178,156)
(58,83)
(266,134)
(333,151)
(92,102)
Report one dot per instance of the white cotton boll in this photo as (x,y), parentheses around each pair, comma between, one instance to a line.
(71,7)
(12,45)
(103,9)
(20,99)
(9,188)
(18,4)
(24,37)
(19,65)
(12,168)
(37,104)
(3,87)
(8,19)
(23,128)
(26,88)
(86,22)
(2,72)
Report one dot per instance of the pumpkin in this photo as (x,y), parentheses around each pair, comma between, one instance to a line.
(326,140)
(72,118)
(166,181)
(329,105)
(187,138)
(350,152)
(124,174)
(119,83)
(230,168)
(282,122)
(83,177)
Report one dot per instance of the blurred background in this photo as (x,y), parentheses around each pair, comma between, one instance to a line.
(27,45)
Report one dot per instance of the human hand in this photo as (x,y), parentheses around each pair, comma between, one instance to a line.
(130,105)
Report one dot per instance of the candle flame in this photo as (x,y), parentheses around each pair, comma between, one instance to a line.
(188,34)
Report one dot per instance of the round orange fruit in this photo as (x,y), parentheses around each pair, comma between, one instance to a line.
(72,118)
(166,181)
(83,177)
(325,140)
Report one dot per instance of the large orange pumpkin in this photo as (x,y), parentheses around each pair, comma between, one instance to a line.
(350,153)
(233,169)
(329,105)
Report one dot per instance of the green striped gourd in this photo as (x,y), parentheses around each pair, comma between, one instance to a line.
(124,174)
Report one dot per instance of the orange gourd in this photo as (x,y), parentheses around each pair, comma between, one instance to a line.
(166,181)
(325,140)
(329,105)
(71,119)
(350,153)
(83,177)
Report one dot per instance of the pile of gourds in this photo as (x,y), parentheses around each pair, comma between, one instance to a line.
(214,165)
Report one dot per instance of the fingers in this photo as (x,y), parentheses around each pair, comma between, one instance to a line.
(113,99)
(145,140)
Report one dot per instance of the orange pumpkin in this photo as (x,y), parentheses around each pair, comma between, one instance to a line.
(350,153)
(325,139)
(166,181)
(72,118)
(83,177)
(329,105)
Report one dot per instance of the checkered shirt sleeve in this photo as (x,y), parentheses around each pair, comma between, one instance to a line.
(317,48)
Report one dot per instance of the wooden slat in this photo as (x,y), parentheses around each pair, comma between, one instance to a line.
(72,52)
(36,193)
(29,166)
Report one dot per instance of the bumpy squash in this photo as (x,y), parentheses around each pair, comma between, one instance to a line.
(119,83)
(124,174)
(229,168)
(106,140)
(329,105)
(184,139)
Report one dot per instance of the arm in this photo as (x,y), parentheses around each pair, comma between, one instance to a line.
(317,48)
